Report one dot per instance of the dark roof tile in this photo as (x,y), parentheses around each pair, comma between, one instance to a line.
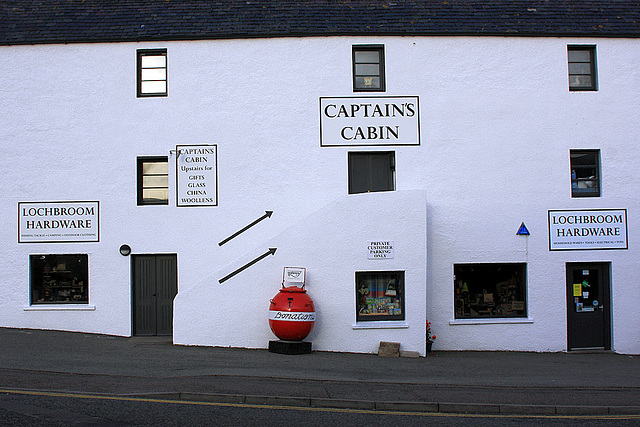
(81,21)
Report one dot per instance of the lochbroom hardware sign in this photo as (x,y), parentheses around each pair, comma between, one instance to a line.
(587,229)
(371,121)
(54,222)
(197,175)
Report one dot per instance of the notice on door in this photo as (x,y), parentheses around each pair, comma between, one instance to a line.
(54,222)
(587,229)
(197,175)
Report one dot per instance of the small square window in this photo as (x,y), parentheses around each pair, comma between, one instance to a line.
(59,279)
(371,171)
(585,173)
(490,290)
(368,68)
(152,73)
(153,181)
(379,295)
(582,68)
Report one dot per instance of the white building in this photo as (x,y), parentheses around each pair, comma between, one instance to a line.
(399,147)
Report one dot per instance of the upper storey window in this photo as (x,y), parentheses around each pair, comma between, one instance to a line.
(582,68)
(368,68)
(585,173)
(152,72)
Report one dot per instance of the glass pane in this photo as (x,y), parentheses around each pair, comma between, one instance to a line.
(155,195)
(579,56)
(59,279)
(155,168)
(579,68)
(367,56)
(367,70)
(490,290)
(367,82)
(583,158)
(154,74)
(153,87)
(380,295)
(586,292)
(154,61)
(580,81)
(155,181)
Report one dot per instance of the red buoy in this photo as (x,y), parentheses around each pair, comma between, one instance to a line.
(292,314)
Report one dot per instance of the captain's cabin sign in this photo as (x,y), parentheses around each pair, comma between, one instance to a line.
(369,121)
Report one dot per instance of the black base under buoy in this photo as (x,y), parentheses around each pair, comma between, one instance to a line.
(290,347)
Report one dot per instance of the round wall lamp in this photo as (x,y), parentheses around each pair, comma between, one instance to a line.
(125,250)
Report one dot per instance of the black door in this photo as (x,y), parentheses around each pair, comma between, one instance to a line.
(371,171)
(588,306)
(155,285)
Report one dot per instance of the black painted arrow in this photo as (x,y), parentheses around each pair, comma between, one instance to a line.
(271,251)
(267,214)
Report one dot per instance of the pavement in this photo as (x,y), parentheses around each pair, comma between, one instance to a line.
(601,383)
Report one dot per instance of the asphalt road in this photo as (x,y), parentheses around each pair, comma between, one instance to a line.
(18,409)
(506,383)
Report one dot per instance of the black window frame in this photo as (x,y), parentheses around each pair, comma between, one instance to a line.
(59,279)
(373,179)
(392,294)
(585,173)
(491,295)
(140,53)
(591,49)
(381,67)
(140,180)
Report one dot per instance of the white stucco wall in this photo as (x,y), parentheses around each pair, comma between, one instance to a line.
(497,122)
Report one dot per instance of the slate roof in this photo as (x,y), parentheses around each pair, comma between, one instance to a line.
(81,21)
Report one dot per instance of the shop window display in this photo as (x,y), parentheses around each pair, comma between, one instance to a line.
(379,295)
(490,290)
(59,279)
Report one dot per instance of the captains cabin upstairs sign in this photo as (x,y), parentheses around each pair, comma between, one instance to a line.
(197,175)
(369,121)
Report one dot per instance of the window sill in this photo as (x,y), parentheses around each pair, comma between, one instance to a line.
(60,307)
(492,321)
(381,325)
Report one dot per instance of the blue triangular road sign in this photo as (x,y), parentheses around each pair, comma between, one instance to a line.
(522,231)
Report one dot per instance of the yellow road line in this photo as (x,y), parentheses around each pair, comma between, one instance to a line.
(315,409)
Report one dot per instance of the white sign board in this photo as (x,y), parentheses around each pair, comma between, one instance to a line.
(379,249)
(294,275)
(587,229)
(54,222)
(370,121)
(197,175)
